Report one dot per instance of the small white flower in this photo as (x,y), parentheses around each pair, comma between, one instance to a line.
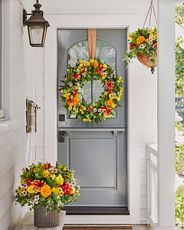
(31,203)
(94,110)
(36,197)
(99,110)
(24,193)
(142,46)
(36,202)
(55,171)
(70,84)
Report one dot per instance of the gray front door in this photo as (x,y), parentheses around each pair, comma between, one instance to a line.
(97,152)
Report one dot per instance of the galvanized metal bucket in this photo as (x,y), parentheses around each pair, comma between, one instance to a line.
(49,220)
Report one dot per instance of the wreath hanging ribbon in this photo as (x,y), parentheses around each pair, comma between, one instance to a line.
(87,71)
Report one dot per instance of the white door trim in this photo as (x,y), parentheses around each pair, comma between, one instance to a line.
(134,181)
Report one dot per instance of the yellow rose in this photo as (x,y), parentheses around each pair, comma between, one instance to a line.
(140,40)
(46,173)
(31,189)
(46,191)
(59,180)
(91,61)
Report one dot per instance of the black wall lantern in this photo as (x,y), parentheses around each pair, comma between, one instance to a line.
(37,26)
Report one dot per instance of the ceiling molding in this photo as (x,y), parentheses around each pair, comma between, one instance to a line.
(93,12)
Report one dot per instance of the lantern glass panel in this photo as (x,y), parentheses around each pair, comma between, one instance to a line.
(36,34)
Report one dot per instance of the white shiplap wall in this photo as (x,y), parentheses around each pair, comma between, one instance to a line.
(12,132)
(26,70)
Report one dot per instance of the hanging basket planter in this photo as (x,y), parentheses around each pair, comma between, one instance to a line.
(145,60)
(142,43)
(143,46)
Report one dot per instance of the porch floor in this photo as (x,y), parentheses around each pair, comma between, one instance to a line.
(27,224)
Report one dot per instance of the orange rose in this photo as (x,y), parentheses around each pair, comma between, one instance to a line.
(140,40)
(46,191)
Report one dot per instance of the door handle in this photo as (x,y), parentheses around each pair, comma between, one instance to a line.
(61,136)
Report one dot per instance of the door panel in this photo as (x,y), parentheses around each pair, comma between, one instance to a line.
(100,162)
(97,152)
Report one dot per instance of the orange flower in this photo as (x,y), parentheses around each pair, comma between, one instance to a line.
(72,190)
(46,191)
(140,40)
(75,101)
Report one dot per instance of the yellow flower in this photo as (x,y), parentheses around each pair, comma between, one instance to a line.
(57,190)
(46,173)
(95,64)
(59,180)
(87,63)
(140,40)
(105,66)
(31,189)
(46,191)
(53,176)
(130,35)
(120,79)
(83,107)
(91,61)
(70,107)
(87,119)
(66,95)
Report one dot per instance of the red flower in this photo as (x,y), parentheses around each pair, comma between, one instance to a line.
(132,46)
(28,182)
(47,165)
(108,110)
(38,183)
(109,85)
(74,92)
(76,76)
(66,187)
(69,100)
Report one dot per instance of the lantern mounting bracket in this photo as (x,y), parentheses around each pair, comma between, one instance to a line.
(24,17)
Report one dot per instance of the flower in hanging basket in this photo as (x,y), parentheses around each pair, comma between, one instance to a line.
(142,44)
(48,186)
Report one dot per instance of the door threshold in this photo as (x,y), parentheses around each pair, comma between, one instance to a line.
(97,227)
(87,210)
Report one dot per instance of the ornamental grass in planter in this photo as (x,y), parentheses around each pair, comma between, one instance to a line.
(142,44)
(46,189)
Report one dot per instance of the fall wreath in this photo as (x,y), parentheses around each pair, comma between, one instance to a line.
(95,110)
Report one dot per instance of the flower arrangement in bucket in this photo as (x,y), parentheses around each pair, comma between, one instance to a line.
(46,189)
(142,44)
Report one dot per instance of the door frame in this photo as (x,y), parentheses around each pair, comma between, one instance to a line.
(58,21)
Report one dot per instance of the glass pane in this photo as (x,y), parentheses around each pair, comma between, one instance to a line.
(77,52)
(86,91)
(36,33)
(97,90)
(104,51)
